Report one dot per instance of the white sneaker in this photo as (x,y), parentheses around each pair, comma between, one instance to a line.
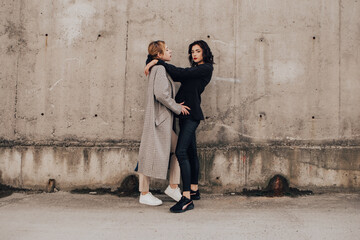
(173,193)
(149,199)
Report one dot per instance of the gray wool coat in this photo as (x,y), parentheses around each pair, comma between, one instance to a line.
(155,143)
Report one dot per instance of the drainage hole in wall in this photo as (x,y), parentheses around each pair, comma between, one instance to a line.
(278,186)
(50,187)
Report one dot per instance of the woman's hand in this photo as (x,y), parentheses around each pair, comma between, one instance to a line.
(150,65)
(184,109)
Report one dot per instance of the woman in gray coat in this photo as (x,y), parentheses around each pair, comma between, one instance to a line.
(158,137)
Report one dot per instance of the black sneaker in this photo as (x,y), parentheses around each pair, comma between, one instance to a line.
(195,195)
(183,205)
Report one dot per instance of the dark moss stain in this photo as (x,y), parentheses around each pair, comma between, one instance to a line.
(11,49)
(37,153)
(221,135)
(59,160)
(2,151)
(100,154)
(23,154)
(301,125)
(73,158)
(16,32)
(69,156)
(335,159)
(86,160)
(206,161)
(296,156)
(267,161)
(249,155)
(241,163)
(12,30)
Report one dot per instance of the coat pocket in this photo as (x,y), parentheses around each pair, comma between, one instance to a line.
(161,118)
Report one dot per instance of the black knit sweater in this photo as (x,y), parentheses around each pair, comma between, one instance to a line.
(193,82)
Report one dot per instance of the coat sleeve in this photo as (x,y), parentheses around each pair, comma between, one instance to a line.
(162,91)
(179,74)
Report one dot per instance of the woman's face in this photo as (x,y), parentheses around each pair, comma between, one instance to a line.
(197,54)
(167,54)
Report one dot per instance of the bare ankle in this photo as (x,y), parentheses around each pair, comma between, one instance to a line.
(186,194)
(194,187)
(173,186)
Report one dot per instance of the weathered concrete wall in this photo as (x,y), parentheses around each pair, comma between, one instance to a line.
(283,97)
(222,169)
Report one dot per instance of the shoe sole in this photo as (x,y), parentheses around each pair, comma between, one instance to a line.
(195,198)
(190,207)
(150,204)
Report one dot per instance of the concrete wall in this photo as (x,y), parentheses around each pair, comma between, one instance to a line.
(283,97)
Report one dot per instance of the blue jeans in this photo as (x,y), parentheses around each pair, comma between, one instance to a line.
(186,152)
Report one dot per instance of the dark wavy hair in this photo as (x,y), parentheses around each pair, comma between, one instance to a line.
(207,54)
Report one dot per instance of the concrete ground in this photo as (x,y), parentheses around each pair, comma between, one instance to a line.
(63,215)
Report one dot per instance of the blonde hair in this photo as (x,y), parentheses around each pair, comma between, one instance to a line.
(156,47)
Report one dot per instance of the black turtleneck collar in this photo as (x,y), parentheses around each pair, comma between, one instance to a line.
(149,58)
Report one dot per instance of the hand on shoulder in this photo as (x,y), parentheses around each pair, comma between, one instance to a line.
(149,66)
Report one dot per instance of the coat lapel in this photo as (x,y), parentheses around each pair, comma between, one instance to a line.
(172,85)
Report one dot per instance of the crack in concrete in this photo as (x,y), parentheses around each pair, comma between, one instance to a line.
(56,83)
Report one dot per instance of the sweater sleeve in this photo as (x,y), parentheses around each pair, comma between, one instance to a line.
(162,91)
(179,74)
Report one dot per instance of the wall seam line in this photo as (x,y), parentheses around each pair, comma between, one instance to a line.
(339,107)
(126,65)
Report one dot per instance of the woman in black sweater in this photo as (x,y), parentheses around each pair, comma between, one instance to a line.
(193,82)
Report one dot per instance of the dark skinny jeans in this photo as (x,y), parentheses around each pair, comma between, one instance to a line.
(186,152)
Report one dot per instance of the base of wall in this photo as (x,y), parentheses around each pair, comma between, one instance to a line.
(222,169)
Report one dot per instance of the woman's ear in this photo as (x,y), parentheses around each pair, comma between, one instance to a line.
(159,56)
